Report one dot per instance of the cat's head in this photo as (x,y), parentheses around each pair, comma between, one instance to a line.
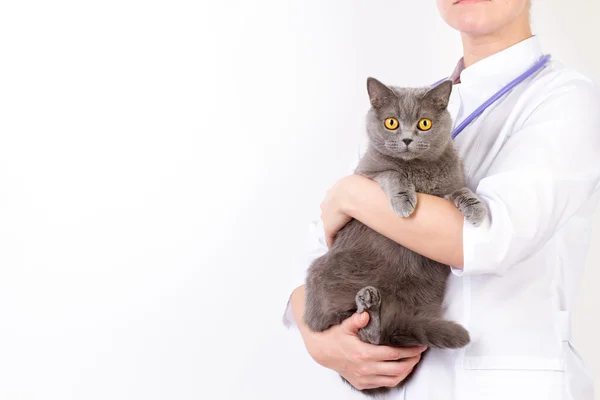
(409,123)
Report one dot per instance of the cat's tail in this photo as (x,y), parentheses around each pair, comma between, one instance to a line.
(411,331)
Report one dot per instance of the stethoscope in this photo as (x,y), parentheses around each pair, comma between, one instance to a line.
(535,68)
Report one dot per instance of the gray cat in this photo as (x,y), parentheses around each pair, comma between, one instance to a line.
(410,150)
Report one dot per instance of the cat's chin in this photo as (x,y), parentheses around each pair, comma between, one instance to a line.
(408,155)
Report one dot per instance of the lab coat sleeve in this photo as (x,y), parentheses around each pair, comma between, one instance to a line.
(544,173)
(315,246)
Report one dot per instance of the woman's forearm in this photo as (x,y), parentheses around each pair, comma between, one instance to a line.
(297,304)
(433,230)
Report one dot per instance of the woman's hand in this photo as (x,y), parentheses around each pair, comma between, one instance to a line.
(336,205)
(364,365)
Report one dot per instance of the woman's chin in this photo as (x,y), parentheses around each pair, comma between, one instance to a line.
(474,23)
(473,27)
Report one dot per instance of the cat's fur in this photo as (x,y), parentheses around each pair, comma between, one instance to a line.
(365,271)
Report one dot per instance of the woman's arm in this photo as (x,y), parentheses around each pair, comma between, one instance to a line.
(434,229)
(546,171)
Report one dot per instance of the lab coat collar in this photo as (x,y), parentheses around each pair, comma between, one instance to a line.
(499,69)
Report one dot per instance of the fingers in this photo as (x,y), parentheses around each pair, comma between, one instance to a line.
(373,382)
(329,237)
(383,374)
(386,368)
(386,353)
(355,322)
(395,368)
(384,381)
(370,352)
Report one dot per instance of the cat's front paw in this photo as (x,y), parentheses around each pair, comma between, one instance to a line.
(470,205)
(404,202)
(475,213)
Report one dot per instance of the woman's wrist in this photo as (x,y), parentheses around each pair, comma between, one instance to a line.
(355,191)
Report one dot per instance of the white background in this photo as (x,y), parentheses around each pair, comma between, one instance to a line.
(159,163)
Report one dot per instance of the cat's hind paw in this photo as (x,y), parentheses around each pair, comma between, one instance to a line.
(368,299)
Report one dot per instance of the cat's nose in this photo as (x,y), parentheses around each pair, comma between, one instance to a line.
(407,141)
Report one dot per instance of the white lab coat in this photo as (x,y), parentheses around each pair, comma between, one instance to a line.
(534,159)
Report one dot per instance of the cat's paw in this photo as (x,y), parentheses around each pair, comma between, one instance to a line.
(368,298)
(404,202)
(475,213)
(470,205)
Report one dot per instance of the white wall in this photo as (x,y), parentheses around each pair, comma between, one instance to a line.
(159,162)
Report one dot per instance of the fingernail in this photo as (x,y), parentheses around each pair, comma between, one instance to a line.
(363,316)
(423,348)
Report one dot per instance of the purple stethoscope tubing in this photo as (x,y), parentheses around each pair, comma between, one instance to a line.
(535,68)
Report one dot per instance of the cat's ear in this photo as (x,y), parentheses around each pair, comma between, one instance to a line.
(439,95)
(378,92)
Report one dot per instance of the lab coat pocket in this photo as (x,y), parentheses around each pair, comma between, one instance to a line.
(513,377)
(514,384)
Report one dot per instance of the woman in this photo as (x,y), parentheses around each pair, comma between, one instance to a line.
(534,158)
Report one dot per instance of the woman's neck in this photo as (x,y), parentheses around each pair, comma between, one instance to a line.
(478,47)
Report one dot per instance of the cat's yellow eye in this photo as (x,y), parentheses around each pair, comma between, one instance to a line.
(391,124)
(424,124)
